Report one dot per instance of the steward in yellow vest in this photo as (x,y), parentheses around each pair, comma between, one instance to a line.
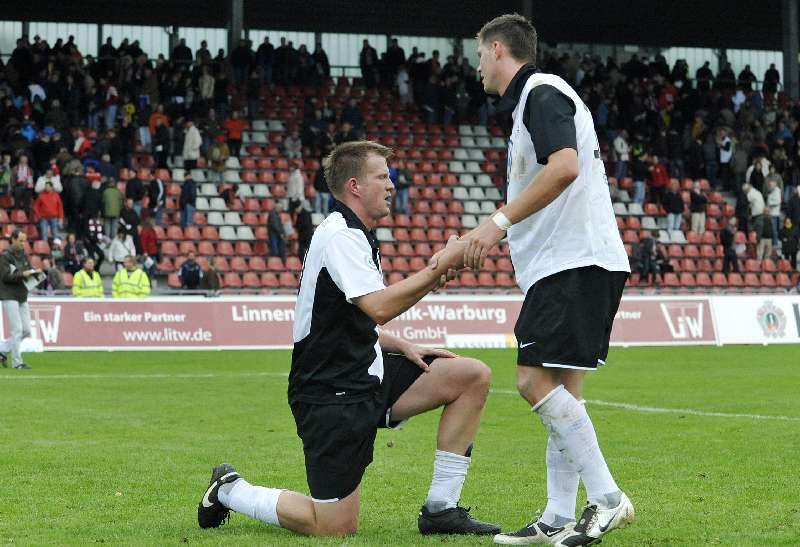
(87,283)
(130,282)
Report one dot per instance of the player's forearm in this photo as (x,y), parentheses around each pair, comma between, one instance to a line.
(548,184)
(385,305)
(391,343)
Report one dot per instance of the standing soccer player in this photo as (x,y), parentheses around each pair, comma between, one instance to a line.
(571,265)
(349,378)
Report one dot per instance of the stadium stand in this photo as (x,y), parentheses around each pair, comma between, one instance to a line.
(80,109)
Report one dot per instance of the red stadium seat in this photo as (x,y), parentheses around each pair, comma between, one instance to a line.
(275,264)
(205,248)
(239,264)
(243,248)
(719,280)
(269,280)
(687,280)
(703,280)
(767,280)
(751,281)
(225,248)
(169,248)
(293,264)
(287,279)
(735,280)
(753,266)
(257,264)
(231,280)
(250,280)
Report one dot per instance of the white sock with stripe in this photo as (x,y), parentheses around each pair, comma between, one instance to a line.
(257,502)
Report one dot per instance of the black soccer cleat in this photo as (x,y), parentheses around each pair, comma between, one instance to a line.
(210,512)
(455,520)
(4,359)
(22,366)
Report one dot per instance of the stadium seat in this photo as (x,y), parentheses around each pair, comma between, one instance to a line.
(169,248)
(719,280)
(251,280)
(225,248)
(687,280)
(735,280)
(288,280)
(703,280)
(231,280)
(274,263)
(293,264)
(41,247)
(239,264)
(173,281)
(751,281)
(767,280)
(257,264)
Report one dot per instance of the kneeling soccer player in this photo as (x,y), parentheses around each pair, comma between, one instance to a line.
(348,378)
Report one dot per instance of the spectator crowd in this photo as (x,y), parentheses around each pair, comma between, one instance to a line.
(71,123)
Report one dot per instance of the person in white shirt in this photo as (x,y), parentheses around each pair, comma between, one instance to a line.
(48,176)
(622,150)
(192,142)
(296,186)
(121,246)
(774,208)
(570,263)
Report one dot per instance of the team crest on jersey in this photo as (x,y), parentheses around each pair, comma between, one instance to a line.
(772,320)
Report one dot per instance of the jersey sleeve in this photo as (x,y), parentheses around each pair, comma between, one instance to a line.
(348,259)
(549,117)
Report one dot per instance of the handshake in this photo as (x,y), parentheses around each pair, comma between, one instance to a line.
(468,251)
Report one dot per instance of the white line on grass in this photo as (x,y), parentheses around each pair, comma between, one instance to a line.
(23,376)
(660,410)
(191,375)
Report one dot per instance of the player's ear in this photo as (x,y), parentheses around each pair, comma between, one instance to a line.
(351,186)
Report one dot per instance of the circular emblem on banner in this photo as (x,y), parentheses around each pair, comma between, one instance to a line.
(772,320)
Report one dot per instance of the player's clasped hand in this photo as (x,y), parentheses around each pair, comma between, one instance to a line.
(417,354)
(479,242)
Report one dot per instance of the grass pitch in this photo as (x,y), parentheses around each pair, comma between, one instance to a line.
(117,448)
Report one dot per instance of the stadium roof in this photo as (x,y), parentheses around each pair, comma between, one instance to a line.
(710,23)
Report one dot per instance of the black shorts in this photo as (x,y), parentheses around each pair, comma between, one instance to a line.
(566,319)
(338,439)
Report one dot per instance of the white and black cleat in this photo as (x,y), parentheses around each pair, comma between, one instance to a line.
(596,522)
(537,532)
(210,512)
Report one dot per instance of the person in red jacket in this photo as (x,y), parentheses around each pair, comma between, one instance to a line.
(235,126)
(659,179)
(149,241)
(49,210)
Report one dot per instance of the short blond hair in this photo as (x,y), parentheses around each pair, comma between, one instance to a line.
(348,160)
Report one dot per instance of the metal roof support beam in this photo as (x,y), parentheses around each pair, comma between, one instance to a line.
(235,23)
(791,45)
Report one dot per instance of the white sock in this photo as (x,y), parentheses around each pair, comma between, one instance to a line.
(449,472)
(562,487)
(257,502)
(572,431)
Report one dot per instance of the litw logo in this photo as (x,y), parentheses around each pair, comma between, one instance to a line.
(684,319)
(45,321)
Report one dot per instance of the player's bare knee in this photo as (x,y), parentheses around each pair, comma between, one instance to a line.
(478,375)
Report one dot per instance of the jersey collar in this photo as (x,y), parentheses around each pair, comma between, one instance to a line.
(354,222)
(510,98)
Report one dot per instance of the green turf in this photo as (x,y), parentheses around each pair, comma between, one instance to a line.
(117,448)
